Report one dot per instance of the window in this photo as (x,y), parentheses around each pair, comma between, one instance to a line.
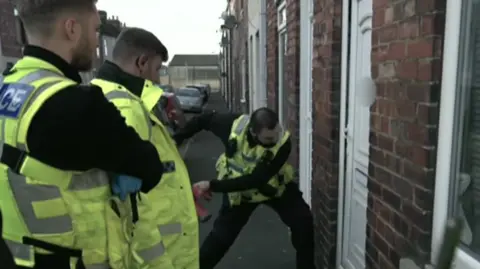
(105,47)
(458,158)
(282,52)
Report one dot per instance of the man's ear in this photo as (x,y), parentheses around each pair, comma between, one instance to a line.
(142,61)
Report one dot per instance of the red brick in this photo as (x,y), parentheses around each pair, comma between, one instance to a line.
(396,51)
(380,3)
(378,18)
(409,29)
(387,34)
(407,70)
(406,109)
(422,48)
(402,158)
(427,25)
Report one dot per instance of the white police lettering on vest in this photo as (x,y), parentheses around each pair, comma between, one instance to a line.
(13,97)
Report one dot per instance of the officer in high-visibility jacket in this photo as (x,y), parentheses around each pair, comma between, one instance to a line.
(166,233)
(252,171)
(58,138)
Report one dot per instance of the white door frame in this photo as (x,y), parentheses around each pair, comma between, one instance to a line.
(358,155)
(306,124)
(453,24)
(343,121)
(282,51)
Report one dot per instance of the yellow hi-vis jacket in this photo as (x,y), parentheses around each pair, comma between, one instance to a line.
(45,208)
(166,234)
(244,161)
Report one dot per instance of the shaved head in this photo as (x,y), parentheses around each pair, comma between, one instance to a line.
(134,42)
(140,53)
(263,118)
(40,16)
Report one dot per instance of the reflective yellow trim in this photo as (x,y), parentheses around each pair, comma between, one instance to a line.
(43,209)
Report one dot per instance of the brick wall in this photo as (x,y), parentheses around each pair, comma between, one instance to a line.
(406,65)
(10,46)
(291,67)
(272,52)
(326,111)
(240,52)
(292,75)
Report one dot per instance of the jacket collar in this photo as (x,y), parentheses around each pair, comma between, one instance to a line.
(52,59)
(111,72)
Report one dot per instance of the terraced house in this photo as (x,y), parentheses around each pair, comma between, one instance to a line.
(10,35)
(382,98)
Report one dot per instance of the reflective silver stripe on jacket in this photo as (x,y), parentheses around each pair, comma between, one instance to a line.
(249,159)
(157,250)
(125,95)
(29,79)
(20,251)
(28,195)
(233,166)
(97,266)
(243,122)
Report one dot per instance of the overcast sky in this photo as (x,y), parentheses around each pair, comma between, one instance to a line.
(184,26)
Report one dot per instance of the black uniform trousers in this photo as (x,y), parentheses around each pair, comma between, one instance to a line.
(291,208)
(6,258)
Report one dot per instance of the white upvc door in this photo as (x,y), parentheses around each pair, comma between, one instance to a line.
(306,51)
(353,210)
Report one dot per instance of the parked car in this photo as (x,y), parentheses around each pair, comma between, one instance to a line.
(191,99)
(203,89)
(170,112)
(167,88)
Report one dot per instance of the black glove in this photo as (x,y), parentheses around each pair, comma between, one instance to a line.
(268,190)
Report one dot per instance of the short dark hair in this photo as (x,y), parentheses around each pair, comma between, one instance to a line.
(38,15)
(263,118)
(135,41)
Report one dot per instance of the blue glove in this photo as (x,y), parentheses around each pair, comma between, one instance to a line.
(125,185)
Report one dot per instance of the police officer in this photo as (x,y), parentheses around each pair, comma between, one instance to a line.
(252,171)
(58,137)
(166,233)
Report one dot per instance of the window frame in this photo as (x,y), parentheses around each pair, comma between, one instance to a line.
(452,106)
(105,47)
(281,31)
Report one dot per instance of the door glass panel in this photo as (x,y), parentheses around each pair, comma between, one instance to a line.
(466,161)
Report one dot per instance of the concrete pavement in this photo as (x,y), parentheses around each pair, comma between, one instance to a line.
(264,242)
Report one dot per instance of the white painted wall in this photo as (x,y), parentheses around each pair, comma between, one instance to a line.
(257,72)
(254,16)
